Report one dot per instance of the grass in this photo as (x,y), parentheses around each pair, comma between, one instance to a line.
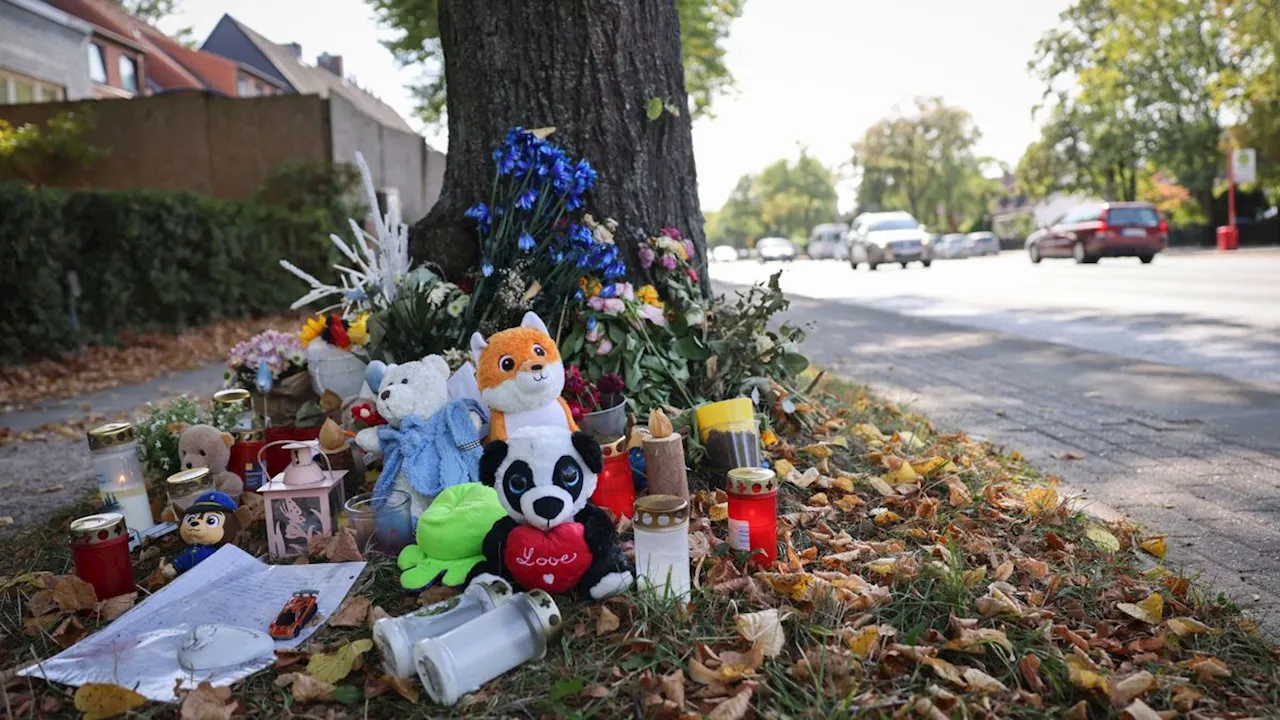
(945,559)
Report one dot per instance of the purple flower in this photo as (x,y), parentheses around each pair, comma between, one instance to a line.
(670,232)
(653,314)
(606,347)
(527,199)
(526,242)
(646,257)
(689,249)
(669,261)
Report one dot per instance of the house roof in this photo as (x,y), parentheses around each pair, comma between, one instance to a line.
(36,7)
(219,73)
(311,80)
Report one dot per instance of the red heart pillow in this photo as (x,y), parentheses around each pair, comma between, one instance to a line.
(554,560)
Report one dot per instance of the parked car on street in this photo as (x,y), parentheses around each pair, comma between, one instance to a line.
(828,242)
(724,253)
(888,237)
(1098,230)
(775,248)
(982,243)
(951,247)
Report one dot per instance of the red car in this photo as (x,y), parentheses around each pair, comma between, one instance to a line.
(1089,232)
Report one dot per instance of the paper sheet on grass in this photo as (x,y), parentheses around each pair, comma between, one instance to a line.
(140,649)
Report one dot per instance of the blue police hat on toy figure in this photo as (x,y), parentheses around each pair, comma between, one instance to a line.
(211,521)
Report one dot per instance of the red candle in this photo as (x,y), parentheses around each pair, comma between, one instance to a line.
(100,550)
(244,459)
(753,513)
(615,488)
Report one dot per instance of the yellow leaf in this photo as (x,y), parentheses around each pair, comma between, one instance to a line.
(973,576)
(607,622)
(103,700)
(900,471)
(1149,611)
(543,132)
(882,566)
(982,682)
(945,670)
(849,503)
(975,641)
(818,450)
(840,441)
(1183,626)
(1083,676)
(1206,668)
(1103,539)
(1155,546)
(330,667)
(765,627)
(783,468)
(910,441)
(1131,688)
(769,438)
(881,486)
(924,467)
(869,433)
(885,517)
(819,500)
(720,512)
(863,640)
(795,586)
(1040,500)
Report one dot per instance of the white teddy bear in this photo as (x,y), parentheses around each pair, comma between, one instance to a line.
(429,442)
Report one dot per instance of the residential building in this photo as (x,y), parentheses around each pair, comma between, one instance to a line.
(43,54)
(402,165)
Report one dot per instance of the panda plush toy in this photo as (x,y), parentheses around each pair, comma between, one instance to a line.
(552,539)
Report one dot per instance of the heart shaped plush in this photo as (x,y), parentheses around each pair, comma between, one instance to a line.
(554,560)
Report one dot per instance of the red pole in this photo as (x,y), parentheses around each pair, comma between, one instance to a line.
(1231,189)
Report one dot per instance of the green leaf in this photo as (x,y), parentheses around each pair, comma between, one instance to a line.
(346,694)
(617,333)
(572,345)
(691,349)
(565,688)
(654,109)
(795,363)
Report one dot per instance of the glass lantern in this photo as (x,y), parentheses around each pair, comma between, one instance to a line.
(753,513)
(114,453)
(395,637)
(472,654)
(185,486)
(662,545)
(615,488)
(236,399)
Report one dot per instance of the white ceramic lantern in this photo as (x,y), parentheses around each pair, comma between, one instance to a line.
(395,637)
(478,651)
(302,502)
(662,545)
(333,368)
(123,489)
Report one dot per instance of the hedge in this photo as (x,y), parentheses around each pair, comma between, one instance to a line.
(145,260)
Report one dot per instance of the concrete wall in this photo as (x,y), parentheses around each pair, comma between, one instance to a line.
(396,159)
(224,147)
(33,44)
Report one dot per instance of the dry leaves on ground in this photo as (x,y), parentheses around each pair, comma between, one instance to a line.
(207,702)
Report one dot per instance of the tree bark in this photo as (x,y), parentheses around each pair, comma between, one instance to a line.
(589,68)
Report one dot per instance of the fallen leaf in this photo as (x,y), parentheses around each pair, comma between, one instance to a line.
(925,467)
(1032,568)
(719,512)
(885,517)
(1124,692)
(103,700)
(42,603)
(1070,455)
(958,493)
(112,608)
(594,691)
(73,594)
(945,670)
(1185,697)
(306,688)
(796,586)
(1030,667)
(982,682)
(1139,711)
(340,547)
(69,632)
(975,640)
(735,708)
(1040,501)
(1155,546)
(1083,676)
(1207,668)
(673,687)
(1103,539)
(207,702)
(862,641)
(783,468)
(353,612)
(819,500)
(330,667)
(6,520)
(1150,611)
(723,675)
(404,687)
(764,626)
(1183,626)
(996,602)
(1079,711)
(607,622)
(48,489)
(882,487)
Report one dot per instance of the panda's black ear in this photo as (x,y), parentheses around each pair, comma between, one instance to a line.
(589,449)
(491,460)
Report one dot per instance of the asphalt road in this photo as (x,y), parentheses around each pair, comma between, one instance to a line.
(1152,391)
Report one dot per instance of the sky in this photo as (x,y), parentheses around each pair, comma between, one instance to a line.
(811,73)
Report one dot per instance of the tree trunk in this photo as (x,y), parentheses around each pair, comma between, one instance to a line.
(589,68)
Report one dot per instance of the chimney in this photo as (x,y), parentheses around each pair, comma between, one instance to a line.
(332,63)
(294,49)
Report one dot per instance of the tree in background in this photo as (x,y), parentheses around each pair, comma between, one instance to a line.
(153,11)
(785,199)
(738,222)
(704,25)
(924,160)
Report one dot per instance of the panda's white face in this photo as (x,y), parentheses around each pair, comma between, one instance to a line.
(542,479)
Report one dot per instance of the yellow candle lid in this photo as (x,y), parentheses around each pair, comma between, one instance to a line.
(110,435)
(659,512)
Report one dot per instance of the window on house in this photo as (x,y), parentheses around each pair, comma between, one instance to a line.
(128,73)
(97,64)
(23,91)
(16,88)
(242,87)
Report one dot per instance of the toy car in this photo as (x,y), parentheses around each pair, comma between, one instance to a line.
(295,614)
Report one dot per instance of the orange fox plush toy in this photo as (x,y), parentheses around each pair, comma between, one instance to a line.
(521,376)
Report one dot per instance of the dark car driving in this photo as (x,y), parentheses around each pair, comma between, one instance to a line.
(1098,230)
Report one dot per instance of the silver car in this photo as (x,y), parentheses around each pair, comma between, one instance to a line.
(982,243)
(951,247)
(888,237)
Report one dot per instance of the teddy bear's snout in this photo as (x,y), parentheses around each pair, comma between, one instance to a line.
(385,394)
(190,465)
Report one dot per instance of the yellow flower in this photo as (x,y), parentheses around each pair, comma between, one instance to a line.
(648,295)
(358,330)
(311,329)
(590,286)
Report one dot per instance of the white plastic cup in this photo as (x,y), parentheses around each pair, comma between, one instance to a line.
(395,637)
(472,654)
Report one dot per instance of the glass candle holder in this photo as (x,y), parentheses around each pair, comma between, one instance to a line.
(615,488)
(395,637)
(753,513)
(385,518)
(100,552)
(476,652)
(728,431)
(662,545)
(236,400)
(185,486)
(114,453)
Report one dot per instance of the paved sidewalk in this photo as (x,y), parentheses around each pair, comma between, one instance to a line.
(1193,455)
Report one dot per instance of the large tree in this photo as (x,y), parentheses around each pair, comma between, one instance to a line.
(587,68)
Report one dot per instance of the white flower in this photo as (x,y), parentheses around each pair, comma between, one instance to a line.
(763,344)
(458,305)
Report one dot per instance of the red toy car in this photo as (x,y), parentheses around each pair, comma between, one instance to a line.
(295,614)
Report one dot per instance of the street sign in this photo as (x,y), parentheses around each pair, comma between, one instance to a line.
(1244,165)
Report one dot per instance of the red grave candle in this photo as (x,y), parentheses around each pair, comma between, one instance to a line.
(100,551)
(615,488)
(244,459)
(753,513)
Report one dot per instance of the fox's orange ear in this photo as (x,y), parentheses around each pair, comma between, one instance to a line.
(532,321)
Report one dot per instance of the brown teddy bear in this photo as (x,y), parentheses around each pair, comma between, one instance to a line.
(206,446)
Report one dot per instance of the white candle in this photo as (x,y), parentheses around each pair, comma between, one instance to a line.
(120,481)
(395,637)
(662,545)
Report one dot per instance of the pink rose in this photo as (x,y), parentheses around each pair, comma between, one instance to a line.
(653,315)
(606,305)
(688,248)
(606,347)
(646,257)
(669,262)
(693,274)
